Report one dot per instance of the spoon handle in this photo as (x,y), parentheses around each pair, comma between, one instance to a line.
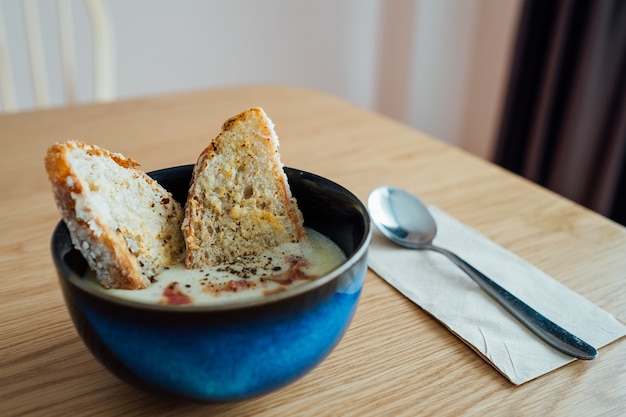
(548,331)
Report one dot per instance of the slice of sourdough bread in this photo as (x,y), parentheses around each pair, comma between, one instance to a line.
(239,201)
(125,224)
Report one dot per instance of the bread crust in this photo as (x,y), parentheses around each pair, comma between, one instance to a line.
(236,163)
(106,249)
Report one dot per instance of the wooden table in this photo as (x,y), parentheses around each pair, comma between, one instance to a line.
(395,358)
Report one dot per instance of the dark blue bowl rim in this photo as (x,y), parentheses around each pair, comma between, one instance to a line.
(72,278)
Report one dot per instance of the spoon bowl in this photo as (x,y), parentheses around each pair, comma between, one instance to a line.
(404,220)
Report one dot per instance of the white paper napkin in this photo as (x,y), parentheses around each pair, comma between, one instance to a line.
(434,283)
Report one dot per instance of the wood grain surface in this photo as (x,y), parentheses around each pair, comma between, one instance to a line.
(395,359)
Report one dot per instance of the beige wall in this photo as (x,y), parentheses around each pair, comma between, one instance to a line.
(493,42)
(437,65)
(449,75)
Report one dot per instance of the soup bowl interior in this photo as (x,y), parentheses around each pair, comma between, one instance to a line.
(227,351)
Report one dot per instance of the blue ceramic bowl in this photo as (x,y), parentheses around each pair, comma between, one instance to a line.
(228,352)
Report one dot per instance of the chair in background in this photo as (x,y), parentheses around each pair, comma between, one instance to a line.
(102,54)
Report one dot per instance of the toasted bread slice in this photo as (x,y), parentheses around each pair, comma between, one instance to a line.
(125,224)
(239,201)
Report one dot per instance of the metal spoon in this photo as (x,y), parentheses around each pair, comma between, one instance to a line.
(402,218)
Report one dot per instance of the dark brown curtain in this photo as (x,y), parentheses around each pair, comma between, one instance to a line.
(564,122)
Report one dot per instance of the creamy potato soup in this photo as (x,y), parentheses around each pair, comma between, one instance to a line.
(274,271)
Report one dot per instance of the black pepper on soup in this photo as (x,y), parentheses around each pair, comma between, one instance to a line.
(273,271)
